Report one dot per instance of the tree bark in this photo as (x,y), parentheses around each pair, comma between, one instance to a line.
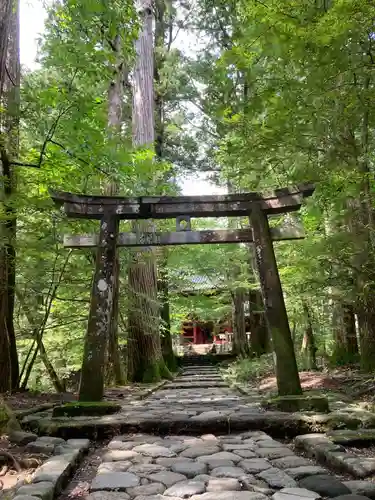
(259,341)
(114,364)
(9,137)
(240,344)
(37,334)
(288,382)
(308,342)
(145,360)
(166,339)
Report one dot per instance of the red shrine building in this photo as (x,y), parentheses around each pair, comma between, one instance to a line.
(205,332)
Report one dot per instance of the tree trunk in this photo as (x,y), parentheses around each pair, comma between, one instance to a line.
(308,342)
(259,340)
(114,364)
(145,360)
(37,334)
(288,382)
(166,339)
(344,333)
(240,345)
(9,129)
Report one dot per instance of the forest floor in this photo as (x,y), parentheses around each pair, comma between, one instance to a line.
(352,384)
(27,400)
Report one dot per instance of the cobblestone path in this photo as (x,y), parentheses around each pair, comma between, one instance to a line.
(248,465)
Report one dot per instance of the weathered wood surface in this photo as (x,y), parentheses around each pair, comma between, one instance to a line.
(185,237)
(101,305)
(166,207)
(288,382)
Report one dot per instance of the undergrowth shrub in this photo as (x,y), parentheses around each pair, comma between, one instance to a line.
(245,369)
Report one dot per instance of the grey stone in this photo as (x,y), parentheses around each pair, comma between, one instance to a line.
(147,489)
(214,462)
(277,478)
(203,478)
(289,462)
(358,487)
(25,497)
(120,466)
(144,470)
(51,439)
(154,450)
(155,497)
(55,470)
(82,444)
(327,486)
(359,467)
(116,455)
(209,437)
(224,456)
(168,462)
(269,443)
(64,449)
(227,472)
(305,470)
(211,415)
(295,494)
(273,453)
(254,465)
(246,453)
(118,444)
(114,481)
(189,469)
(229,495)
(43,490)
(351,497)
(21,437)
(41,447)
(234,447)
(167,478)
(185,489)
(107,495)
(223,484)
(200,450)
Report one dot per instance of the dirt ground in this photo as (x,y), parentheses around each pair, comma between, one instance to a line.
(351,383)
(26,400)
(17,464)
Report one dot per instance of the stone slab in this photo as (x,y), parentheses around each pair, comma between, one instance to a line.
(43,490)
(114,481)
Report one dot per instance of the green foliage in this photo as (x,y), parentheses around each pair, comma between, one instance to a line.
(244,370)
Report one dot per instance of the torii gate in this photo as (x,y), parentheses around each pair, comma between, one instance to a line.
(110,210)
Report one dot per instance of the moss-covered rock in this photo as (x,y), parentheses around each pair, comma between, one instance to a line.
(8,421)
(297,403)
(346,436)
(78,409)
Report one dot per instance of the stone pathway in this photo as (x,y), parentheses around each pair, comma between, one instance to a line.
(249,465)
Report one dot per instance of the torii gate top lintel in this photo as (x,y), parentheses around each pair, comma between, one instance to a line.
(165,207)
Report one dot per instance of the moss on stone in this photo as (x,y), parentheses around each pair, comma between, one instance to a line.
(346,436)
(8,421)
(297,403)
(85,408)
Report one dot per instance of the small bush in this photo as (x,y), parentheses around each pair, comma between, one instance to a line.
(245,369)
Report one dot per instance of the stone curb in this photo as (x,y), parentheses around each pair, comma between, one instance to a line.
(326,452)
(50,478)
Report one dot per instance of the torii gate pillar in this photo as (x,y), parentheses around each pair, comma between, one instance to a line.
(100,315)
